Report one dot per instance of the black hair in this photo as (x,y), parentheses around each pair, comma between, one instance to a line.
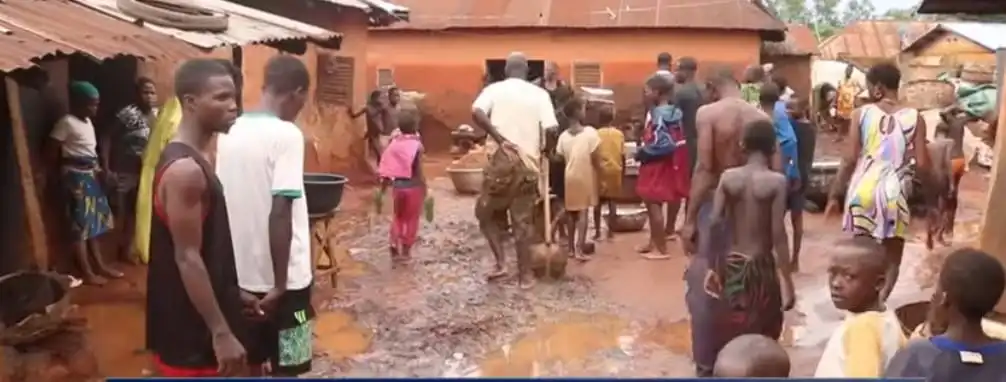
(664,58)
(769,93)
(759,136)
(754,73)
(191,77)
(143,81)
(574,105)
(286,74)
(973,281)
(688,64)
(885,74)
(754,354)
(721,77)
(408,119)
(870,250)
(661,84)
(605,115)
(374,96)
(780,81)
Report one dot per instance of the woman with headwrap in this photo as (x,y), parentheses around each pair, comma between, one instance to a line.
(90,216)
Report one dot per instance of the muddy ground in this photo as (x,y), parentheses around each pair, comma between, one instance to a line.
(617,315)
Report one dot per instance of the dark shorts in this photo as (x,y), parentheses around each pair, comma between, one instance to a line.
(285,340)
(795,200)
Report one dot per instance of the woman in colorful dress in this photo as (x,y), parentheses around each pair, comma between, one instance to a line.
(90,216)
(879,162)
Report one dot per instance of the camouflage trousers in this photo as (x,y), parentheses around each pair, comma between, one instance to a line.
(507,203)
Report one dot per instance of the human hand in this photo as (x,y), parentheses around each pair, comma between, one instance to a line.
(270,302)
(788,296)
(250,306)
(232,360)
(711,284)
(831,211)
(687,238)
(680,143)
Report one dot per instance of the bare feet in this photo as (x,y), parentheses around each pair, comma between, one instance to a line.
(672,236)
(110,272)
(497,273)
(645,248)
(794,266)
(526,282)
(656,256)
(95,280)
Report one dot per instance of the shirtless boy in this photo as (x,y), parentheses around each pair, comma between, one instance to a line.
(955,121)
(720,125)
(940,187)
(751,202)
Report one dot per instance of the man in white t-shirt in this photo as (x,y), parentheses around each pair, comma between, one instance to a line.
(260,163)
(515,113)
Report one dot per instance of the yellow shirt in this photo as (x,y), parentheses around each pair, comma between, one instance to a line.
(862,346)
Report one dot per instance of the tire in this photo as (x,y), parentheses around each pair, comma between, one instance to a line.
(175,14)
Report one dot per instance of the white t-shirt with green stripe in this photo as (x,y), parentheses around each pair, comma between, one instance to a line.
(262,156)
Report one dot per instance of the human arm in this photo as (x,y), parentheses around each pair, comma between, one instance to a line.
(780,242)
(287,186)
(182,193)
(355,115)
(702,178)
(481,109)
(923,163)
(851,158)
(720,200)
(861,343)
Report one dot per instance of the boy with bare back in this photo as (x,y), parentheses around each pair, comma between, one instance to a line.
(940,188)
(751,201)
(720,127)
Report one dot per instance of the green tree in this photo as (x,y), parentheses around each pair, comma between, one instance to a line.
(856,10)
(901,14)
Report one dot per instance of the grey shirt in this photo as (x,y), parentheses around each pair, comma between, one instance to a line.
(940,359)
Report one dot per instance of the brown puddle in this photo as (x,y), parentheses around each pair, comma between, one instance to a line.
(568,341)
(339,335)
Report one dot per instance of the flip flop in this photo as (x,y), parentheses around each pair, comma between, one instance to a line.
(659,256)
(645,248)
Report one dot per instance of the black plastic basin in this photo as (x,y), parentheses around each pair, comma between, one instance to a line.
(323,192)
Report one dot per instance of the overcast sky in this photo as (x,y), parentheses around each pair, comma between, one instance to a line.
(884,5)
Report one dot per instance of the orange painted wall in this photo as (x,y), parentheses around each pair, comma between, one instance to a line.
(448,65)
(334,141)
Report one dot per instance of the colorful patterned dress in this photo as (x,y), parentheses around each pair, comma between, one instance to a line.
(876,203)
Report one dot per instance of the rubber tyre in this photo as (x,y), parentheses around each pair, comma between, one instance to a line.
(186,17)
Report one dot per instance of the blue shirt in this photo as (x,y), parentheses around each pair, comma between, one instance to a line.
(787,140)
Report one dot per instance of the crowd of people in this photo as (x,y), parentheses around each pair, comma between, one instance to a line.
(229,289)
(736,154)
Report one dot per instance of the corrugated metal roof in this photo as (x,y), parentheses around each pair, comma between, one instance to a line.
(246,25)
(872,40)
(720,14)
(962,6)
(36,28)
(800,41)
(989,35)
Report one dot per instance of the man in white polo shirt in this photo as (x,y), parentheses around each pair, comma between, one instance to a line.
(514,113)
(260,163)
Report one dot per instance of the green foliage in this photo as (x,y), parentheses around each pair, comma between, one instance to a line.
(825,17)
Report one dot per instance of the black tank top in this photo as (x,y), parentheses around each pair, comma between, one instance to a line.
(176,333)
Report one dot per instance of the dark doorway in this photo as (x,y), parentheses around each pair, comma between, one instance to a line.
(494,70)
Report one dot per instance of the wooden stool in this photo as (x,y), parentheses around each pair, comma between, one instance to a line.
(320,248)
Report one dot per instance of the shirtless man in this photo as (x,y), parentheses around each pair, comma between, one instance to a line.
(751,201)
(720,125)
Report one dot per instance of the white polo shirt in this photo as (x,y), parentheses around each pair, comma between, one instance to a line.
(262,156)
(520,110)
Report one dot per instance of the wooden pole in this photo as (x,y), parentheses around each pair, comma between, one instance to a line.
(992,239)
(32,210)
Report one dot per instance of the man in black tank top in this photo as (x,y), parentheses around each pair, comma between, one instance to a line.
(195,323)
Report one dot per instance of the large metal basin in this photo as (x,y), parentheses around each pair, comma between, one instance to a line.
(323,192)
(466,180)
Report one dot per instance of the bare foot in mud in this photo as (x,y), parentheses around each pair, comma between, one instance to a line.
(497,273)
(794,266)
(111,272)
(526,282)
(673,236)
(645,248)
(393,250)
(656,256)
(95,280)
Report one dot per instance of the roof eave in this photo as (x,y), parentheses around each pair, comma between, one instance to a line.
(962,7)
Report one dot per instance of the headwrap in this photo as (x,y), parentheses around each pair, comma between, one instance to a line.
(83,89)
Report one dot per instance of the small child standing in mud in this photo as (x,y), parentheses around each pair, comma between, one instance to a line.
(752,356)
(962,349)
(611,152)
(578,146)
(955,119)
(940,186)
(870,335)
(751,282)
(401,169)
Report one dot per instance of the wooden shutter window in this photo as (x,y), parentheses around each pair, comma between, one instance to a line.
(587,74)
(385,78)
(335,79)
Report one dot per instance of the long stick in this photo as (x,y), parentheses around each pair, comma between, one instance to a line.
(32,210)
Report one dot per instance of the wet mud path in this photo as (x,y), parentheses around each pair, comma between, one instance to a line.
(617,315)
